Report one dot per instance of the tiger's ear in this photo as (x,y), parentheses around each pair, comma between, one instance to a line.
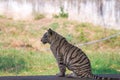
(50,31)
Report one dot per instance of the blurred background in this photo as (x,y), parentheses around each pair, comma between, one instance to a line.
(23,23)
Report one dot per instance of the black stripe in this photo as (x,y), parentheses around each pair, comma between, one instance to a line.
(83,58)
(84,64)
(73,51)
(67,53)
(84,75)
(76,49)
(62,43)
(80,65)
(67,45)
(87,75)
(81,76)
(59,44)
(56,38)
(84,67)
(86,70)
(84,61)
(79,59)
(87,63)
(79,68)
(77,52)
(66,49)
(74,62)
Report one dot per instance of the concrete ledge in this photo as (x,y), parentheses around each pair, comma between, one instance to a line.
(51,77)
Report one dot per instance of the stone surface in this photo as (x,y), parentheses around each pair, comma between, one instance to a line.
(51,77)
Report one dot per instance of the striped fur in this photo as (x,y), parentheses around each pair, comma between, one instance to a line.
(69,56)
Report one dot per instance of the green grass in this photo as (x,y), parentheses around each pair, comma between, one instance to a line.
(62,14)
(22,62)
(39,16)
(54,25)
(13,61)
(105,62)
(2,16)
(22,53)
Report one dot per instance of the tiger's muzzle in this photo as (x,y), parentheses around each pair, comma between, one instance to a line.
(43,41)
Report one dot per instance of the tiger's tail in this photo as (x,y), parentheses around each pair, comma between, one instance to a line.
(103,78)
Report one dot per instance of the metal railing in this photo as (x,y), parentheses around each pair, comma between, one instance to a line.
(100,40)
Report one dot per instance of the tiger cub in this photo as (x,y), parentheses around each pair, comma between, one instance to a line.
(69,56)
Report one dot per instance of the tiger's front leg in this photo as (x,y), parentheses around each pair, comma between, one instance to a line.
(61,65)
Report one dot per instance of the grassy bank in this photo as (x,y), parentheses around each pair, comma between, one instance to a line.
(22,53)
(21,62)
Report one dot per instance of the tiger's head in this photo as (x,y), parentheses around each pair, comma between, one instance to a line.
(48,36)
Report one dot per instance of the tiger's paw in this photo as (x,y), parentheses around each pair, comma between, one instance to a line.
(60,75)
(72,75)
